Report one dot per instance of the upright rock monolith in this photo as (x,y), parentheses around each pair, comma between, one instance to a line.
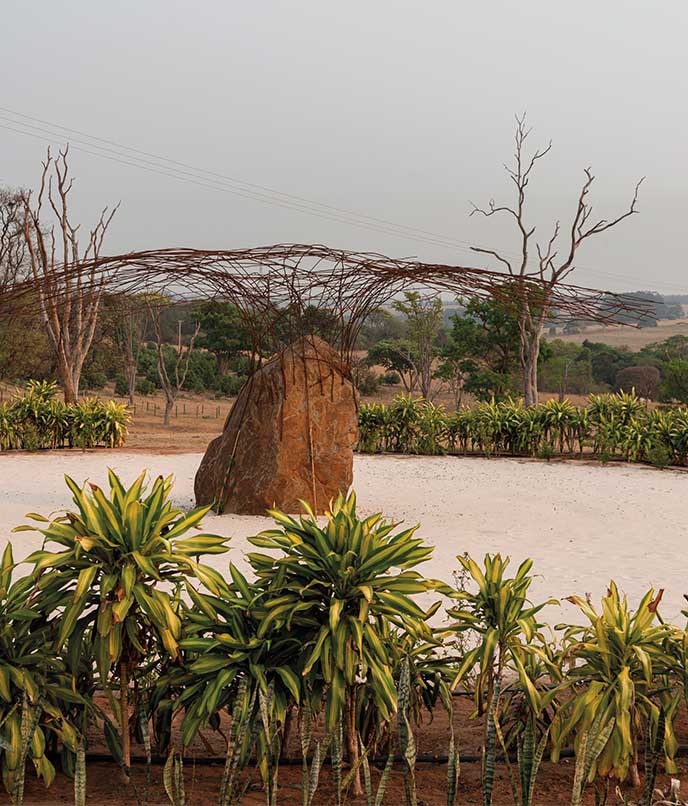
(289,436)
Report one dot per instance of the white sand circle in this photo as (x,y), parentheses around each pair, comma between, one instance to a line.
(581,523)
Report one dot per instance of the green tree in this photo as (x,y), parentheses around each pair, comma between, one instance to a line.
(380,325)
(481,355)
(606,361)
(223,332)
(675,381)
(171,383)
(397,355)
(128,323)
(673,347)
(25,351)
(566,368)
(423,316)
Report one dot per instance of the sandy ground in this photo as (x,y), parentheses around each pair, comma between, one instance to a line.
(581,523)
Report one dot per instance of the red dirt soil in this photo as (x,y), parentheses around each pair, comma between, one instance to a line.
(202,780)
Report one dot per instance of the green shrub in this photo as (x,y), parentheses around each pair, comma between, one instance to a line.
(390,379)
(230,385)
(612,425)
(121,386)
(94,380)
(35,420)
(367,382)
(145,387)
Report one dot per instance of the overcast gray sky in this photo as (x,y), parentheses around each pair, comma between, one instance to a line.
(399,110)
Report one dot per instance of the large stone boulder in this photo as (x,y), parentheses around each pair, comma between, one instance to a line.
(289,436)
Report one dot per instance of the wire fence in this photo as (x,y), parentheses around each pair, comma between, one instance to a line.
(207,410)
(198,411)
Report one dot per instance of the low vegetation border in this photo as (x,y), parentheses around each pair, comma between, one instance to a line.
(324,639)
(611,426)
(35,420)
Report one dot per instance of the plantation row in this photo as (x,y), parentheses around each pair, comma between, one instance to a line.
(612,425)
(326,634)
(35,420)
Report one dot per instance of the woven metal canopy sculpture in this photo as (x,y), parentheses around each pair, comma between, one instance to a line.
(279,287)
(291,431)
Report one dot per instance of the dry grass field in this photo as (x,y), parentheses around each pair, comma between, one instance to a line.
(631,337)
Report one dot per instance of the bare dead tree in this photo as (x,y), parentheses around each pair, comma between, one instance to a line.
(13,268)
(537,276)
(130,323)
(171,386)
(12,246)
(69,297)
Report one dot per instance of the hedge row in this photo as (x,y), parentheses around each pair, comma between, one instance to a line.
(35,420)
(611,426)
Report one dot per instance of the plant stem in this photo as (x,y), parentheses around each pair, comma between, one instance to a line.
(352,741)
(124,719)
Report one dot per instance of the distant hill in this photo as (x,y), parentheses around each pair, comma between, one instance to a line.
(661,308)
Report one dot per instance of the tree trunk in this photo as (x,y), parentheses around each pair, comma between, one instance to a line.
(530,382)
(64,373)
(425,379)
(169,403)
(130,375)
(530,355)
(124,719)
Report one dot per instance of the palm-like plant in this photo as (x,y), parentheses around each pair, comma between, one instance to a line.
(559,421)
(35,420)
(372,428)
(335,586)
(33,684)
(401,421)
(432,429)
(117,549)
(612,425)
(499,616)
(622,663)
(504,621)
(230,663)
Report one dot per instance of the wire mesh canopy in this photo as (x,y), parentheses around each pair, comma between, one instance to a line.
(287,294)
(287,291)
(290,287)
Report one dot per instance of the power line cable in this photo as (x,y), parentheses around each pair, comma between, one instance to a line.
(201,177)
(218,187)
(190,175)
(252,185)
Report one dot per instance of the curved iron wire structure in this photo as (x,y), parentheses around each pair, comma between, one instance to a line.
(280,289)
(289,292)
